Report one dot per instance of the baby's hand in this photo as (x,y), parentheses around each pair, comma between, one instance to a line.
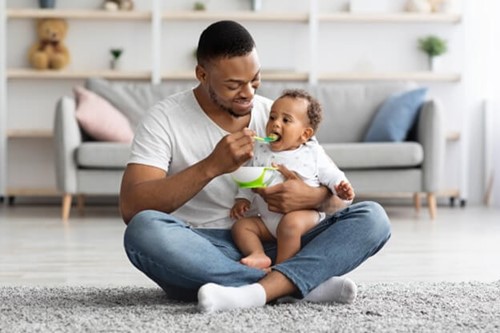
(344,190)
(240,207)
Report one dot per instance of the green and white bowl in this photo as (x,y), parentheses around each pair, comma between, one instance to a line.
(253,177)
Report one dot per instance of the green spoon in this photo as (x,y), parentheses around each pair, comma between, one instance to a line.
(270,138)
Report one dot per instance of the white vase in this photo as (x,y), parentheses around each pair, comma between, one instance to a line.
(432,63)
(115,64)
(256,5)
(435,64)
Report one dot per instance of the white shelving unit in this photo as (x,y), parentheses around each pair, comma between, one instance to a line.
(156,17)
(3,100)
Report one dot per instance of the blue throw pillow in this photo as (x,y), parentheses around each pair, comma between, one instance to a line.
(395,117)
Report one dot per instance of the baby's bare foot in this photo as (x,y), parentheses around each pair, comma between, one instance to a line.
(257,260)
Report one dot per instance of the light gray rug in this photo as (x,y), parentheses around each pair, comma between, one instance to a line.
(416,307)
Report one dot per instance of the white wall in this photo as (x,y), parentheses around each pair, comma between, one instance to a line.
(342,47)
(492,153)
(482,70)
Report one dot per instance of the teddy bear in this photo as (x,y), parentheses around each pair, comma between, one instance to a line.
(113,5)
(49,52)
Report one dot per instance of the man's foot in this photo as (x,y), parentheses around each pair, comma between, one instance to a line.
(257,260)
(213,297)
(335,289)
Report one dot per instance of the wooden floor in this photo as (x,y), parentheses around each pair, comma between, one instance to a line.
(37,248)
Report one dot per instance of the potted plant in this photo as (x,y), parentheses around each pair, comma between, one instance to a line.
(115,56)
(433,46)
(47,3)
(199,6)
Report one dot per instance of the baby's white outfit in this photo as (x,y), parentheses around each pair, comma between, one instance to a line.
(309,162)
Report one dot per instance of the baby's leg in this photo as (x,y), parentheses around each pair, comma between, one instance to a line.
(290,229)
(248,234)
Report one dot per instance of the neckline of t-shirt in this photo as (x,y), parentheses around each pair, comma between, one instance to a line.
(195,103)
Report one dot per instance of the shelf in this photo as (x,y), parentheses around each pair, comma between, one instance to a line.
(35,192)
(78,14)
(284,76)
(48,134)
(270,75)
(266,75)
(236,15)
(29,134)
(30,13)
(389,18)
(408,195)
(451,193)
(394,76)
(25,73)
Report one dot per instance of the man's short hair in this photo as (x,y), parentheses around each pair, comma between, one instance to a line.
(223,39)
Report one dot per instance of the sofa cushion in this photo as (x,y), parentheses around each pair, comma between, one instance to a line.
(375,155)
(102,155)
(134,98)
(99,119)
(349,108)
(394,119)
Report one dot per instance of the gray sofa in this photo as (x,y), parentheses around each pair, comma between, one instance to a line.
(95,168)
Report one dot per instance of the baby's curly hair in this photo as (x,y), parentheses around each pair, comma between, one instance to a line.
(314,110)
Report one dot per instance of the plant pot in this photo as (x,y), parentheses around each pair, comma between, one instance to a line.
(256,5)
(435,64)
(115,64)
(47,3)
(432,63)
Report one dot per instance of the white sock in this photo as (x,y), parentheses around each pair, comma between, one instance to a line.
(213,297)
(335,289)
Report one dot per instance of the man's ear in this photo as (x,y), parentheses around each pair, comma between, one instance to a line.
(201,74)
(307,134)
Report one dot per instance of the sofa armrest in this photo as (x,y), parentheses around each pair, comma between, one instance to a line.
(67,137)
(430,134)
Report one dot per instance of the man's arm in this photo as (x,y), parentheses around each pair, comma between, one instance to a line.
(145,187)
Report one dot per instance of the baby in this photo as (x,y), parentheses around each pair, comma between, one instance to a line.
(293,121)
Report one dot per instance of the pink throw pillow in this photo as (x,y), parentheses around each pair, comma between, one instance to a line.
(100,119)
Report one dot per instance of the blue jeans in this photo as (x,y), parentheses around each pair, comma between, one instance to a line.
(181,259)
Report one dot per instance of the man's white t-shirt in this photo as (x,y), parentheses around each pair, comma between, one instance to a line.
(176,134)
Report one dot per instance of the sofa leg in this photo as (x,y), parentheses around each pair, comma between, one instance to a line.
(80,203)
(417,202)
(66,206)
(431,202)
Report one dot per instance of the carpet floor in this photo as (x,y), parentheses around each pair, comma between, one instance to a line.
(388,307)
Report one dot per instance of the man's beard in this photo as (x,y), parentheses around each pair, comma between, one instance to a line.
(224,108)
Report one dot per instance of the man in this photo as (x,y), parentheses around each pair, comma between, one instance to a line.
(176,194)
